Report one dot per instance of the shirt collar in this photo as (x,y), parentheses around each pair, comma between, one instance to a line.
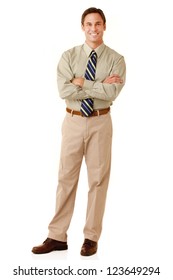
(98,50)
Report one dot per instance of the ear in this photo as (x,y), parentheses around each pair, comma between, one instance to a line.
(104,26)
(82,27)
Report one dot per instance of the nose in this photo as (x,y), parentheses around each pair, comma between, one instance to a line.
(93,28)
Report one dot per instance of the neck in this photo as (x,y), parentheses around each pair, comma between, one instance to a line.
(93,45)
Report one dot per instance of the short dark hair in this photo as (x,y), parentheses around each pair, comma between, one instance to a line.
(93,10)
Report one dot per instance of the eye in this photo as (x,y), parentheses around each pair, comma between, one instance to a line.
(88,24)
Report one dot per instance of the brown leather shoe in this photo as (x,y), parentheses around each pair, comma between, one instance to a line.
(50,245)
(89,248)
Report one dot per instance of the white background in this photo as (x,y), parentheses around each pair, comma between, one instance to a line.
(137,228)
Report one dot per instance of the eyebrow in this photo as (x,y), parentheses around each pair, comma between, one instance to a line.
(95,22)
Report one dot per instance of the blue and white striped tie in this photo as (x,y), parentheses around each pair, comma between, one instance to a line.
(87,104)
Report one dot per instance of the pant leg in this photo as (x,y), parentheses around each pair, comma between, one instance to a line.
(72,149)
(98,160)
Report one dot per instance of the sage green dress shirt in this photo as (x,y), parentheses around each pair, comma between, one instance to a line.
(73,64)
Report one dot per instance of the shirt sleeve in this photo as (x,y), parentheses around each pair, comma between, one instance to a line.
(104,91)
(67,90)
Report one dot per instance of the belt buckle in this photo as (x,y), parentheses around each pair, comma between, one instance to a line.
(81,114)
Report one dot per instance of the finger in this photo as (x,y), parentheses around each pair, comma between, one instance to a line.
(115,76)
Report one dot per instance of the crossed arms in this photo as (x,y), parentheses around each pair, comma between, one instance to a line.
(115,78)
(77,88)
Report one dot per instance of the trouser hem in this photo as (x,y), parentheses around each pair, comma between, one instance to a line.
(57,237)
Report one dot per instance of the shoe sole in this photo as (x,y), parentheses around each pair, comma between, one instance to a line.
(46,252)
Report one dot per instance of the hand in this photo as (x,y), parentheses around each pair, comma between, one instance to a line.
(113,79)
(79,81)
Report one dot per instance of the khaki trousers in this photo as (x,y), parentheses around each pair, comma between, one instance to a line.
(90,138)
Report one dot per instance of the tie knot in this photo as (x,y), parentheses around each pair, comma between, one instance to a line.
(93,54)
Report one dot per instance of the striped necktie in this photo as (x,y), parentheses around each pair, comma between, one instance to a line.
(87,104)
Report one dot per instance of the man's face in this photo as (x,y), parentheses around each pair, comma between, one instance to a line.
(94,28)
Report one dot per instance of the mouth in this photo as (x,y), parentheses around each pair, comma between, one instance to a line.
(94,34)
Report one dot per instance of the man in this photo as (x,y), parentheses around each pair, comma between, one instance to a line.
(90,77)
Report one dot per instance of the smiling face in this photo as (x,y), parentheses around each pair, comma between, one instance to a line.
(94,28)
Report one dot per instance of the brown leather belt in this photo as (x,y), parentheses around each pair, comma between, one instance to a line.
(95,113)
